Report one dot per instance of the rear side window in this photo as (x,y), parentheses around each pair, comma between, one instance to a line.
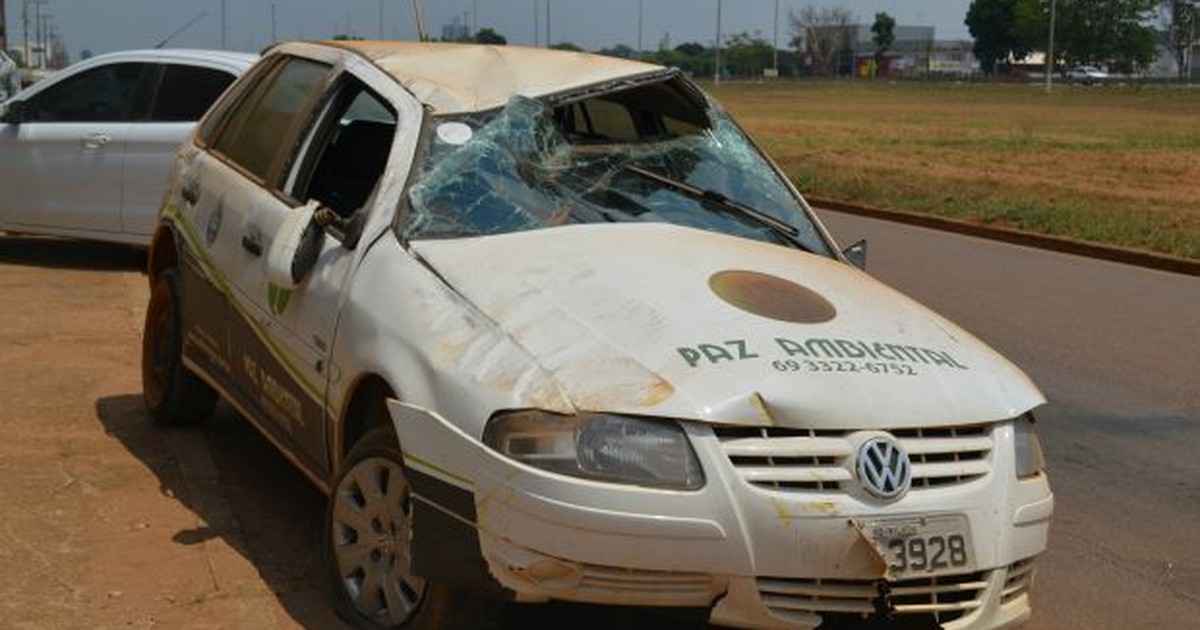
(104,94)
(261,126)
(186,92)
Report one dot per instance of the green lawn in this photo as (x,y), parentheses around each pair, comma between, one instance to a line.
(1117,165)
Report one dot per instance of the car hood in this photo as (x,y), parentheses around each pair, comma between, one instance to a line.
(662,320)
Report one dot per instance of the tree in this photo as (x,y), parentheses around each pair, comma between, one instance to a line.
(1005,29)
(490,36)
(747,55)
(822,33)
(1113,32)
(1181,22)
(566,46)
(620,50)
(691,49)
(883,35)
(690,57)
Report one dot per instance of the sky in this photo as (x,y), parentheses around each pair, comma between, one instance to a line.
(107,25)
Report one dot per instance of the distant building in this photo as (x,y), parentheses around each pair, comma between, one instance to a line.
(915,51)
(456,31)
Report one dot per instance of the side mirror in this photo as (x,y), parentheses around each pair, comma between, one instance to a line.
(856,254)
(295,248)
(12,112)
(345,230)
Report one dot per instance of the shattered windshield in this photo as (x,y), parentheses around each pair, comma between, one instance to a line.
(611,158)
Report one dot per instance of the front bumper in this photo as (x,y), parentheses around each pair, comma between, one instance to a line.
(759,557)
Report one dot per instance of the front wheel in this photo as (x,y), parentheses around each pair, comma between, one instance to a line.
(369,536)
(173,395)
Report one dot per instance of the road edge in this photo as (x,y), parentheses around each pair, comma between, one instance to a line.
(1140,258)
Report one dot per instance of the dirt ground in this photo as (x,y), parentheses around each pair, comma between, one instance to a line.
(105,520)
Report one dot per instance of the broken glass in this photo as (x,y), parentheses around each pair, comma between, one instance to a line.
(517,170)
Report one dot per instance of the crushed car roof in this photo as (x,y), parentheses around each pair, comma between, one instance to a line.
(460,78)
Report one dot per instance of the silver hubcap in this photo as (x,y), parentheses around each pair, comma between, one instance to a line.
(372,541)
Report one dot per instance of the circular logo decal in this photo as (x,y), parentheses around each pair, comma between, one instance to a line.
(884,468)
(770,296)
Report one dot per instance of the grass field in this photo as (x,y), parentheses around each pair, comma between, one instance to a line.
(1112,165)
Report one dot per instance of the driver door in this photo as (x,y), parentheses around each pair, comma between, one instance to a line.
(62,164)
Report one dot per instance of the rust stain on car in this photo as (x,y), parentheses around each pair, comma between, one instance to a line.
(771,296)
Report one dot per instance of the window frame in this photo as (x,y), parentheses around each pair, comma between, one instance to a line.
(253,88)
(165,67)
(147,76)
(317,140)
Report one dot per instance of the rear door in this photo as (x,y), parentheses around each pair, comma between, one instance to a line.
(181,96)
(62,167)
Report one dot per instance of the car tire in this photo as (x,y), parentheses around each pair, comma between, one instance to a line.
(373,584)
(173,394)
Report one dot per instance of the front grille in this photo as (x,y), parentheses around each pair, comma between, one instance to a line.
(638,587)
(1020,578)
(941,599)
(816,461)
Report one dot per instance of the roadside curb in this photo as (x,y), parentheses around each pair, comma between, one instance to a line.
(1161,262)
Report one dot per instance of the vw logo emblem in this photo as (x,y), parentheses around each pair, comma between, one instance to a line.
(884,468)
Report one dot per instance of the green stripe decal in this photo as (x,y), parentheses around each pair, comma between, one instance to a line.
(438,471)
(313,390)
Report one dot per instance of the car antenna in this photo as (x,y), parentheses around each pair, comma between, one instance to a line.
(179,31)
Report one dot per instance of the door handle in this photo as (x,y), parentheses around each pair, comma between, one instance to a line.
(190,191)
(252,243)
(95,140)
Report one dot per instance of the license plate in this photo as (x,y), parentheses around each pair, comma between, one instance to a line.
(921,546)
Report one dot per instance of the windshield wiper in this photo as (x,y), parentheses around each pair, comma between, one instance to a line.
(783,228)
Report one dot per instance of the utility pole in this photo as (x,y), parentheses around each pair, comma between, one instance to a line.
(1050,49)
(273,37)
(537,24)
(223,27)
(641,8)
(25,32)
(474,17)
(420,21)
(717,67)
(549,41)
(380,19)
(3,27)
(775,42)
(37,32)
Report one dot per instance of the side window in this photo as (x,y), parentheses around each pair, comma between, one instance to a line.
(104,94)
(186,92)
(260,127)
(348,152)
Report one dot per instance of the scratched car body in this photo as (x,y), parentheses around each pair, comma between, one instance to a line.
(548,326)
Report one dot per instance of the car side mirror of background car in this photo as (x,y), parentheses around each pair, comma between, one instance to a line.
(856,254)
(12,112)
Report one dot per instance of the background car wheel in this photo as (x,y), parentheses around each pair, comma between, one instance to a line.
(173,395)
(368,533)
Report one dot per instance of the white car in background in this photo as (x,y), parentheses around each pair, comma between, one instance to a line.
(85,153)
(10,78)
(548,326)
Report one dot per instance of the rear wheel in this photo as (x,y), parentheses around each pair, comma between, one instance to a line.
(369,535)
(173,395)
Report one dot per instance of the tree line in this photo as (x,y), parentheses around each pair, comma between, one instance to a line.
(1121,34)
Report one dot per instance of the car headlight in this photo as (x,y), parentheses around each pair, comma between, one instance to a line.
(599,446)
(1030,460)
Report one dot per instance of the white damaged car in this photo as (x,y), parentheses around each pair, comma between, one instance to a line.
(548,326)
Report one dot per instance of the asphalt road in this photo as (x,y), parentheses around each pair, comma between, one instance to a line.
(119,524)
(1116,349)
